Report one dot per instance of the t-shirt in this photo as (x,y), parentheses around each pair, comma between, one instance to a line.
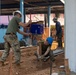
(13,25)
(44,47)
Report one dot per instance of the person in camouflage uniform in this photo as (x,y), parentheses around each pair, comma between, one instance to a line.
(11,40)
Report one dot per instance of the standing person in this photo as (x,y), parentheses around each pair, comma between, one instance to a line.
(58,32)
(11,39)
(45,48)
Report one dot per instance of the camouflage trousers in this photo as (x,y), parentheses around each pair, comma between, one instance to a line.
(11,41)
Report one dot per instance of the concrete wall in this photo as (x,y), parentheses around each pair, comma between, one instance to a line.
(2,33)
(70,33)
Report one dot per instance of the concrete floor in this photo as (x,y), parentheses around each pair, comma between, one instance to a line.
(63,73)
(72,73)
(56,52)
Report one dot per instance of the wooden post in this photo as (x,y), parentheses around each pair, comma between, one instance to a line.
(51,67)
(10,64)
(46,33)
(40,52)
(67,70)
(30,16)
(40,48)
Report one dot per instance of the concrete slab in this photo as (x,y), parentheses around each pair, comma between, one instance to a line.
(63,73)
(58,51)
(73,73)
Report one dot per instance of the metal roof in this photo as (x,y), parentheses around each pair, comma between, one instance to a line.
(33,6)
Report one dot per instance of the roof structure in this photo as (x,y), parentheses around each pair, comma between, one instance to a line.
(33,6)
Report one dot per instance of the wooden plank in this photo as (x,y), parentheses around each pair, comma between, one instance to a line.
(67,67)
(10,63)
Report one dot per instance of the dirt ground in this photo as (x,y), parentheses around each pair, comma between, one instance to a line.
(29,64)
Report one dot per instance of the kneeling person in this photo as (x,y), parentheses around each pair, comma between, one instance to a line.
(44,51)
